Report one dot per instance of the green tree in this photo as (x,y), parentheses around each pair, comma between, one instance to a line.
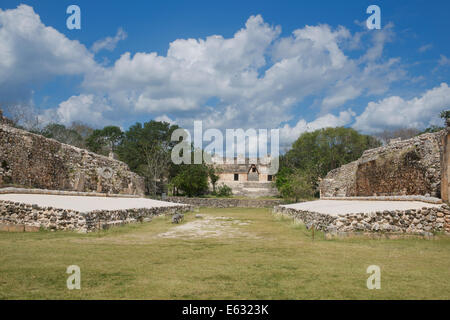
(445,114)
(213,177)
(297,185)
(192,179)
(224,191)
(318,152)
(283,176)
(105,140)
(62,134)
(82,129)
(146,148)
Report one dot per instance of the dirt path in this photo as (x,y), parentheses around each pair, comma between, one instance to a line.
(207,226)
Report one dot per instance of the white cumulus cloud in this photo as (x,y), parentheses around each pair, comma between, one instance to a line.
(109,43)
(289,134)
(395,112)
(32,53)
(89,109)
(255,78)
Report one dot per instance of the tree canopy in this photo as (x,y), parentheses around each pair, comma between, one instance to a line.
(146,148)
(192,179)
(326,149)
(62,134)
(105,140)
(316,153)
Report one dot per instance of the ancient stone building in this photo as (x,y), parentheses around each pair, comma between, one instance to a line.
(246,176)
(445,163)
(33,161)
(403,167)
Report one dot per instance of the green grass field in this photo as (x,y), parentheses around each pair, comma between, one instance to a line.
(258,256)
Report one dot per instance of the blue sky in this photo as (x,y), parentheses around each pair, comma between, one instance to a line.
(293,65)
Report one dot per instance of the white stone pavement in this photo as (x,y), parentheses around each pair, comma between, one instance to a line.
(86,204)
(335,207)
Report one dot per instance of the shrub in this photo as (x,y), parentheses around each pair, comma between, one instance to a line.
(224,191)
(192,180)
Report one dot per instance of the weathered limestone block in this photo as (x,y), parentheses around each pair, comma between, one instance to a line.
(445,163)
(225,202)
(340,182)
(33,161)
(404,167)
(415,221)
(20,217)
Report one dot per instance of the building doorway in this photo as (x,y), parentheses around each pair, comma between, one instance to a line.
(253,173)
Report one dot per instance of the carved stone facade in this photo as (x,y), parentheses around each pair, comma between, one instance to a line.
(403,167)
(250,177)
(33,161)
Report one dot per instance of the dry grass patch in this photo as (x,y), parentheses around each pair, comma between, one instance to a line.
(255,255)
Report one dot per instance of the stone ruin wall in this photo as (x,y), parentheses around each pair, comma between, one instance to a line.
(20,217)
(445,161)
(405,167)
(250,189)
(340,182)
(426,221)
(226,202)
(33,161)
